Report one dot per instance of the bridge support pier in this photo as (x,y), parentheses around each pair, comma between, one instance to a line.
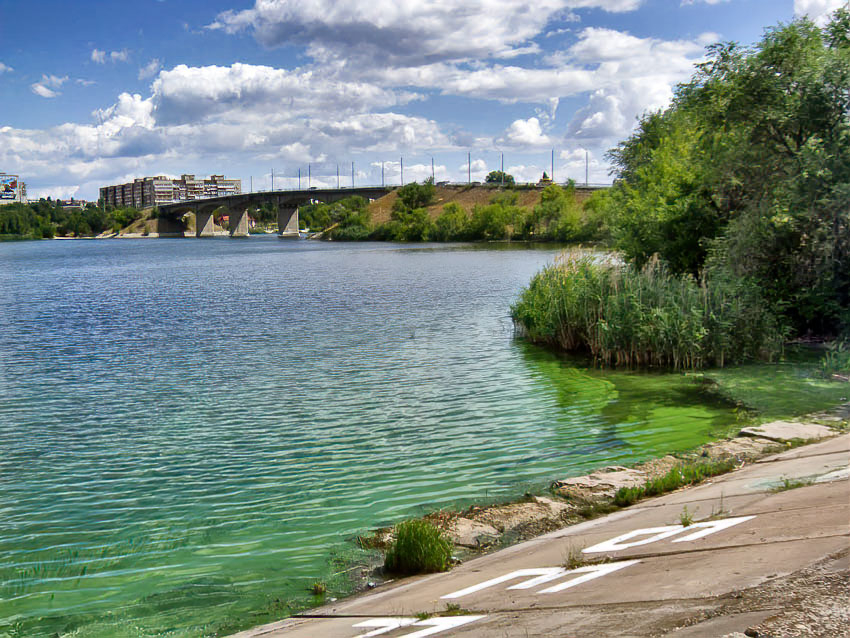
(204,223)
(238,222)
(287,222)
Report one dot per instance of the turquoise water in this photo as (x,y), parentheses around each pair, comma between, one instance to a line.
(191,429)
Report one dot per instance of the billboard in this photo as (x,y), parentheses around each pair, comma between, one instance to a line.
(8,186)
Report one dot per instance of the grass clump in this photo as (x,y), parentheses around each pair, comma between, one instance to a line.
(419,548)
(318,588)
(836,361)
(622,315)
(688,474)
(686,518)
(574,558)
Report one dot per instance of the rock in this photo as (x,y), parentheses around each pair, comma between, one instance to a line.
(742,447)
(537,511)
(604,482)
(786,431)
(557,507)
(469,533)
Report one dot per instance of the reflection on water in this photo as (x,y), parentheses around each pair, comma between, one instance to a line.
(190,429)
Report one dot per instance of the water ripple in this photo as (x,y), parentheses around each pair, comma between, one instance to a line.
(189,429)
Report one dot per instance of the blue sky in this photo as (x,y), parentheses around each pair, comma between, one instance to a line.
(99,92)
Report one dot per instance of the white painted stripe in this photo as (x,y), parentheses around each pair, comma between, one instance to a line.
(433,625)
(654,534)
(545,575)
(594,571)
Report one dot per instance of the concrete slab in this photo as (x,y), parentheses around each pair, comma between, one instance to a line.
(534,582)
(787,431)
(365,627)
(623,621)
(838,444)
(714,500)
(758,485)
(763,477)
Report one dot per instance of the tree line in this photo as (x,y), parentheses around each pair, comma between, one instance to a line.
(732,206)
(47,218)
(558,217)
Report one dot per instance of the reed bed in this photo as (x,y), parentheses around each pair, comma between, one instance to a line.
(623,316)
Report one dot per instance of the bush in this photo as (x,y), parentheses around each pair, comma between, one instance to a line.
(419,548)
(625,316)
(451,224)
(416,195)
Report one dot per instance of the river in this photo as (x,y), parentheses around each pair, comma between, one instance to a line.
(191,429)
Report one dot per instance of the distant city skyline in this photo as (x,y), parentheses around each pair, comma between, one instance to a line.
(94,93)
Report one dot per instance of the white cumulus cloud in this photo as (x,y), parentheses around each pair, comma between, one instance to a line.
(525,133)
(5,68)
(817,10)
(407,32)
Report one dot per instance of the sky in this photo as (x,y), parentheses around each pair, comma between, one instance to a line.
(96,92)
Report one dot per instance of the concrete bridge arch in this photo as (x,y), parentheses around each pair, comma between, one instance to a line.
(285,202)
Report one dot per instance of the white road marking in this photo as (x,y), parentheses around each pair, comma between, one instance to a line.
(655,534)
(545,575)
(592,571)
(434,625)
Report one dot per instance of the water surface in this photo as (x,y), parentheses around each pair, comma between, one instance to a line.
(190,429)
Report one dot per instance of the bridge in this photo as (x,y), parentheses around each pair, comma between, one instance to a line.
(286,202)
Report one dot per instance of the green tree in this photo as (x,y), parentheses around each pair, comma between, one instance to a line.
(747,174)
(499,177)
(416,195)
(451,224)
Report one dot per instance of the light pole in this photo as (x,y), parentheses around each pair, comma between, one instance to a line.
(553,166)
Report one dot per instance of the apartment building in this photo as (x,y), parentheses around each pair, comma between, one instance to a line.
(145,192)
(12,189)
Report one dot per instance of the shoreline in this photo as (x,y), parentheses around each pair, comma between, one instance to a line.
(480,530)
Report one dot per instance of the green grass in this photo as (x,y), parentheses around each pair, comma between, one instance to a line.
(792,484)
(419,548)
(686,474)
(686,518)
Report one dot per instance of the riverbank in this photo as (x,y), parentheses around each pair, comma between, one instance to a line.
(762,551)
(483,529)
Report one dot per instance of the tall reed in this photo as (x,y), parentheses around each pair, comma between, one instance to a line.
(624,316)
